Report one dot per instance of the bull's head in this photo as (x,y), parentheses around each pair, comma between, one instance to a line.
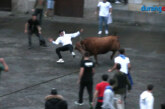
(79,47)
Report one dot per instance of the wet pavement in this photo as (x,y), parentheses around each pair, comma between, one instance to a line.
(34,72)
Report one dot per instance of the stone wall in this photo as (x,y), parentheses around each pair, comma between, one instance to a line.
(135,5)
(22,5)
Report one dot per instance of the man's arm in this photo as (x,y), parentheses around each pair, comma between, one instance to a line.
(39,29)
(110,10)
(97,10)
(95,97)
(54,42)
(113,68)
(26,27)
(129,67)
(80,74)
(73,35)
(6,68)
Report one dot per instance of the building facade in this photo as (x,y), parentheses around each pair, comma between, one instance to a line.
(76,8)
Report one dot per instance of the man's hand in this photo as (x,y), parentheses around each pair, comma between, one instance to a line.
(119,101)
(33,10)
(40,32)
(50,39)
(1,60)
(26,31)
(81,30)
(110,70)
(93,104)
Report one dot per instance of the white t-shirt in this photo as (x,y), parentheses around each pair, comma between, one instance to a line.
(124,63)
(146,100)
(108,99)
(66,39)
(104,8)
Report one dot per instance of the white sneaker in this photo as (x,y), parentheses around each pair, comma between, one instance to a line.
(100,32)
(77,103)
(117,2)
(60,61)
(73,54)
(106,32)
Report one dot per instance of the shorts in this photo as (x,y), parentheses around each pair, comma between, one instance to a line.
(50,4)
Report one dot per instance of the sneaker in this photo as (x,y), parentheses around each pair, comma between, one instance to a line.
(77,103)
(117,2)
(106,32)
(100,32)
(60,61)
(73,54)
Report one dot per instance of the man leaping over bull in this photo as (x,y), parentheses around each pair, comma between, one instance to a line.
(65,40)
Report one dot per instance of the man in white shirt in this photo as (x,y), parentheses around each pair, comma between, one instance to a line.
(146,98)
(103,9)
(108,98)
(125,64)
(66,41)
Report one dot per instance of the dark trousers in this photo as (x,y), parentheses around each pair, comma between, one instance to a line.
(39,14)
(41,39)
(98,105)
(89,86)
(64,48)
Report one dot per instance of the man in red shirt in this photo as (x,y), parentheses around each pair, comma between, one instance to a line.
(99,91)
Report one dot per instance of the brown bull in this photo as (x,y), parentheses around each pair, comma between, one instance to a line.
(98,45)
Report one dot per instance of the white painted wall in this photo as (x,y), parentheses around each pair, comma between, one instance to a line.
(22,5)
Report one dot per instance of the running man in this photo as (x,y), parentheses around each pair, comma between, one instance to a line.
(66,41)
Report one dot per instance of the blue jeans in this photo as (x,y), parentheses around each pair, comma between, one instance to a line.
(130,78)
(101,20)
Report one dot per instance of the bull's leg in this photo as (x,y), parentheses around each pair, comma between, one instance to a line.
(113,53)
(95,56)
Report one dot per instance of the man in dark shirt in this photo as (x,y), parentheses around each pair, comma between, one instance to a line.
(33,27)
(120,87)
(85,78)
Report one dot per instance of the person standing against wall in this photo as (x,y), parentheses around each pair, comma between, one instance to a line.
(39,8)
(50,8)
(103,10)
